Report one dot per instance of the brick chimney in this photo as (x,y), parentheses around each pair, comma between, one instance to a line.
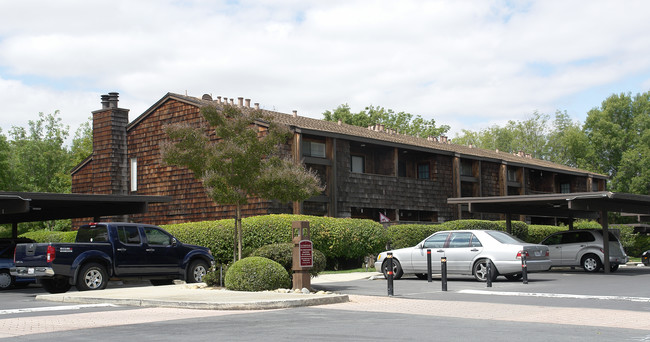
(110,167)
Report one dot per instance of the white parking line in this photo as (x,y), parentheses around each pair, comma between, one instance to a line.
(555,295)
(55,308)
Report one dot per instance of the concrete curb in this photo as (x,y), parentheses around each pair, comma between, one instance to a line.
(182,297)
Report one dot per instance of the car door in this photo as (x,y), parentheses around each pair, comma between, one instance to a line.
(572,245)
(160,251)
(129,251)
(436,244)
(554,243)
(460,252)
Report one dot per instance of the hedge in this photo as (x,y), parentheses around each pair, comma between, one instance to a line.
(256,274)
(50,236)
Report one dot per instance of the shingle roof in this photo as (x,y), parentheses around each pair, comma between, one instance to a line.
(387,137)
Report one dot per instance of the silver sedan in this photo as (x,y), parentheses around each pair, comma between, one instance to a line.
(467,252)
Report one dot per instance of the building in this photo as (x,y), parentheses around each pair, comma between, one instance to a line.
(366,171)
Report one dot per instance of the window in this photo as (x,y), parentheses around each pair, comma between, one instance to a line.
(512,175)
(134,174)
(92,234)
(358,164)
(128,235)
(459,240)
(436,241)
(157,237)
(423,171)
(565,188)
(313,149)
(466,168)
(401,168)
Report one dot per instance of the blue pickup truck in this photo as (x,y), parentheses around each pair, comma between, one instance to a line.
(111,250)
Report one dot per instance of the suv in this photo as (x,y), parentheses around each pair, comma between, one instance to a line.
(7,247)
(584,248)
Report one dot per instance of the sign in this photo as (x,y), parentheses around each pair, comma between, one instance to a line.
(383,218)
(306,249)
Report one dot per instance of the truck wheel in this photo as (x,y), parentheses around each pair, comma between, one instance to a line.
(196,271)
(92,277)
(58,284)
(6,280)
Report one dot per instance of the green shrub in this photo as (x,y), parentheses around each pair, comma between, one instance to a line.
(407,235)
(256,274)
(212,278)
(536,233)
(50,236)
(282,253)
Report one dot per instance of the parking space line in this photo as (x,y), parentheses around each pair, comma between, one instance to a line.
(55,308)
(555,295)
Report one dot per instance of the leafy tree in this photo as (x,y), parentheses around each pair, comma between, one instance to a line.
(6,170)
(82,143)
(404,123)
(246,160)
(567,143)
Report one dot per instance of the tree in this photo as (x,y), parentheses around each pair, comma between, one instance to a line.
(404,123)
(245,160)
(82,143)
(567,143)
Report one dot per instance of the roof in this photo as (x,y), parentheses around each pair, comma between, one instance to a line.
(18,207)
(385,137)
(571,205)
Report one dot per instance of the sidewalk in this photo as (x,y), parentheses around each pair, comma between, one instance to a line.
(198,296)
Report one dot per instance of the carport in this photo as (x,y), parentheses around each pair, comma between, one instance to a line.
(588,205)
(17,207)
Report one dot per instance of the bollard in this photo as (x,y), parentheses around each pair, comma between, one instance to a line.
(221,276)
(524,268)
(429,266)
(489,273)
(443,267)
(390,273)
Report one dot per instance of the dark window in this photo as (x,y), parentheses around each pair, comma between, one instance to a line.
(423,171)
(157,237)
(128,235)
(565,188)
(466,168)
(358,164)
(92,234)
(512,175)
(401,168)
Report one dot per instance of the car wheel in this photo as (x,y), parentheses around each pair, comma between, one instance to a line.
(514,277)
(481,271)
(613,267)
(6,280)
(397,269)
(421,276)
(198,269)
(58,284)
(92,277)
(591,263)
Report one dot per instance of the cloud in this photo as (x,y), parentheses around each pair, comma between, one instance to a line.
(468,64)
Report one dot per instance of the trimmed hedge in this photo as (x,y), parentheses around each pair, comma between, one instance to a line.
(282,253)
(51,236)
(256,274)
(336,238)
(537,233)
(407,235)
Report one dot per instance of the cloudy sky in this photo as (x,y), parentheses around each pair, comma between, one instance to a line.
(467,64)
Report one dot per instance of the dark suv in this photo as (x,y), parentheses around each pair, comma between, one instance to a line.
(584,248)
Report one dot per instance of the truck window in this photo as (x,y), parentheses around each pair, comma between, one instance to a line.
(92,234)
(128,235)
(157,237)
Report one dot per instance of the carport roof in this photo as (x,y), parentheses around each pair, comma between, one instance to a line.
(16,207)
(571,205)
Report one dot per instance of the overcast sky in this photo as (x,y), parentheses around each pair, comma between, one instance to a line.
(467,64)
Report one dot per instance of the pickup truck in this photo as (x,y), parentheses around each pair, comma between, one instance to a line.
(111,250)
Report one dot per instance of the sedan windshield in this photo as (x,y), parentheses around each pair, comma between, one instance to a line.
(503,237)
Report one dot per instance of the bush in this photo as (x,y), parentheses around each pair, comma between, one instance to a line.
(407,235)
(282,253)
(50,236)
(256,274)
(537,233)
(212,278)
